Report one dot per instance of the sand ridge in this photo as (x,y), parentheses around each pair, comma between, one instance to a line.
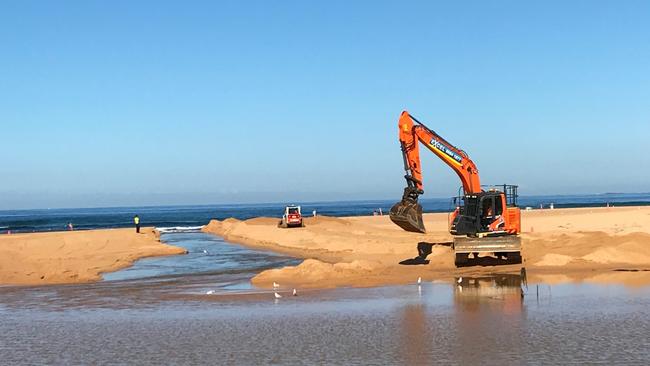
(75,256)
(571,244)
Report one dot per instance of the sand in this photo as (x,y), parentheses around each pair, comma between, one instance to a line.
(584,244)
(74,256)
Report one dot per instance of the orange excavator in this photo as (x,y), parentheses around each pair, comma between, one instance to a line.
(485,220)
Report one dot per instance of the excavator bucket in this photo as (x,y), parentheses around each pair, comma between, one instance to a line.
(407,214)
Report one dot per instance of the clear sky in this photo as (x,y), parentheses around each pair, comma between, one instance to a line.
(106,103)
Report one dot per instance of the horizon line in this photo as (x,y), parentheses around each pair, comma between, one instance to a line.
(284,202)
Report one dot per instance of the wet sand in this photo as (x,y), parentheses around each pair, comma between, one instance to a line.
(604,245)
(74,256)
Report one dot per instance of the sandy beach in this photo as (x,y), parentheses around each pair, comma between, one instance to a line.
(604,245)
(74,256)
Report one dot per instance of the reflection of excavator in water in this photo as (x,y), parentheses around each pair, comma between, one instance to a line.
(485,220)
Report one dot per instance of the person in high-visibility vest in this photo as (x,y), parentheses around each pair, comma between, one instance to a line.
(136,221)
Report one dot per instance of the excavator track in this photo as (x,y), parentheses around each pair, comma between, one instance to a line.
(492,244)
(506,245)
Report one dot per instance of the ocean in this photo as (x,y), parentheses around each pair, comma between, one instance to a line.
(184,218)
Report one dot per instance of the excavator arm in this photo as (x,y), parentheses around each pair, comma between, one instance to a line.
(408,212)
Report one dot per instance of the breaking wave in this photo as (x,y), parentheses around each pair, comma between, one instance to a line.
(179,229)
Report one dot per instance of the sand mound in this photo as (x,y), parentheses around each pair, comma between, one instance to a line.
(554,260)
(212,226)
(262,221)
(596,247)
(631,252)
(319,220)
(221,227)
(74,256)
(314,272)
(367,250)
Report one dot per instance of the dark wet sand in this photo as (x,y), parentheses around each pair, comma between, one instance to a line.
(172,321)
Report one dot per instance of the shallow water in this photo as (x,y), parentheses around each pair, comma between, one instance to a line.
(207,255)
(169,319)
(435,323)
(210,265)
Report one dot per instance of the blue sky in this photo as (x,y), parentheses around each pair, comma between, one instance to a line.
(107,103)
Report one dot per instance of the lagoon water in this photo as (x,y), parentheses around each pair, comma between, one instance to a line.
(159,312)
(432,324)
(208,255)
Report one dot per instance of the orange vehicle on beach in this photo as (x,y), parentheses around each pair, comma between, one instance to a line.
(486,219)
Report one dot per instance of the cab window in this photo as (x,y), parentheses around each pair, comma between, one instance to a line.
(492,206)
(488,206)
(498,205)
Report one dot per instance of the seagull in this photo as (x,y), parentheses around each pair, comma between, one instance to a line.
(459,280)
(277,295)
(295,293)
(419,280)
(275,285)
(205,251)
(209,292)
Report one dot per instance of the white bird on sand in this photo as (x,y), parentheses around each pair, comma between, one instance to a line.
(275,285)
(209,292)
(295,293)
(277,295)
(419,280)
(460,279)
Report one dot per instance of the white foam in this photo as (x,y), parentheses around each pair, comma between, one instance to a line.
(179,229)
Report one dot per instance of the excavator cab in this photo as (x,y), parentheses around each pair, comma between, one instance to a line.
(485,212)
(477,213)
